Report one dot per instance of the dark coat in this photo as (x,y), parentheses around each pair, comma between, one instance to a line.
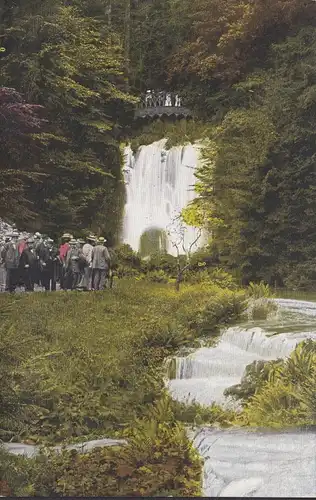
(29,258)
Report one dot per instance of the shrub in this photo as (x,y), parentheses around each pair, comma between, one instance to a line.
(215,276)
(259,309)
(212,310)
(255,376)
(259,290)
(288,397)
(197,414)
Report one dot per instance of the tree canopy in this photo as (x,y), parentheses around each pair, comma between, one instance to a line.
(245,66)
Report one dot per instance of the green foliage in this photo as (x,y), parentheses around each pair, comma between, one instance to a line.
(259,290)
(287,398)
(16,473)
(158,460)
(260,309)
(255,376)
(63,60)
(260,305)
(97,354)
(196,414)
(211,276)
(178,133)
(257,177)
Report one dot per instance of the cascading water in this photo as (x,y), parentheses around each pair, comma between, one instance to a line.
(159,184)
(239,462)
(204,375)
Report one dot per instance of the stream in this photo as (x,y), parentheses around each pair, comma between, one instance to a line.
(241,462)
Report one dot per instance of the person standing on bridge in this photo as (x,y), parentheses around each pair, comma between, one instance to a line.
(161,98)
(168,101)
(149,99)
(177,100)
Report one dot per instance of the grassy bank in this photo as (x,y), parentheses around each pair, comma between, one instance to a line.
(78,365)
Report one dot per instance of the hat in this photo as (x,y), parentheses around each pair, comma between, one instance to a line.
(81,241)
(30,240)
(38,235)
(49,240)
(101,239)
(91,237)
(66,235)
(73,241)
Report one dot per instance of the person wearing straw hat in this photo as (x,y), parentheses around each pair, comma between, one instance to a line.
(82,265)
(63,250)
(75,263)
(87,252)
(100,264)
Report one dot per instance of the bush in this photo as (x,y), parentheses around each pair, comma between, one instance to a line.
(197,414)
(211,311)
(255,376)
(259,290)
(260,309)
(288,398)
(215,276)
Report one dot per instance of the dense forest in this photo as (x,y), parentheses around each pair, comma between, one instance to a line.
(71,72)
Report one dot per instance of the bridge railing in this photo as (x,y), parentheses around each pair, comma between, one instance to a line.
(158,99)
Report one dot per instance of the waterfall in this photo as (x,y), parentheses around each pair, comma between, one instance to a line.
(159,184)
(204,375)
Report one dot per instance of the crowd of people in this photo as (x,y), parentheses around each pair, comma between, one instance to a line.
(154,98)
(76,264)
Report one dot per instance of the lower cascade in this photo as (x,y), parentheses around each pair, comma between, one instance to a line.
(240,462)
(159,184)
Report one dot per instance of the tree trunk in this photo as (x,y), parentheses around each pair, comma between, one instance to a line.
(178,281)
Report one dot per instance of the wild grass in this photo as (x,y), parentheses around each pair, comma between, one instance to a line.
(74,363)
(78,366)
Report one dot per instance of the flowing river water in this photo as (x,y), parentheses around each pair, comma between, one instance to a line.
(240,462)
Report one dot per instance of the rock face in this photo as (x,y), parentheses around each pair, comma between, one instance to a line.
(258,464)
(31,451)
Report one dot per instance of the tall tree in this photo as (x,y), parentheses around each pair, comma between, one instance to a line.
(260,176)
(69,63)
